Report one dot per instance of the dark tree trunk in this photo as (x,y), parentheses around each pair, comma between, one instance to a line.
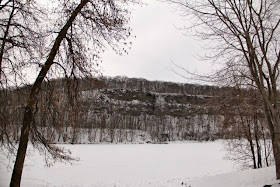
(31,105)
(18,167)
(248,134)
(275,135)
(276,152)
(266,151)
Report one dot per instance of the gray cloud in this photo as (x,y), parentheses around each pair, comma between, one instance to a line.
(158,42)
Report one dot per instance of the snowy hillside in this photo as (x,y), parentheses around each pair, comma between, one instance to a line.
(120,110)
(130,110)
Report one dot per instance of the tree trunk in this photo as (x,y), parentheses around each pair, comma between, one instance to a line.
(266,152)
(253,154)
(276,152)
(275,136)
(31,105)
(18,167)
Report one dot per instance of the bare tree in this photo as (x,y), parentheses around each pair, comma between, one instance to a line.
(19,46)
(245,33)
(20,39)
(244,127)
(87,27)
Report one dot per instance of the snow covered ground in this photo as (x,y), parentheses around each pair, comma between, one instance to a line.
(139,165)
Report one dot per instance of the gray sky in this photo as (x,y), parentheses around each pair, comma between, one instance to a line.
(158,42)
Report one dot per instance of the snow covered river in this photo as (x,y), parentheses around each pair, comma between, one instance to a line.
(126,165)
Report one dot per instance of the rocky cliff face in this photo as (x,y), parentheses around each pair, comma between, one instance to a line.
(127,110)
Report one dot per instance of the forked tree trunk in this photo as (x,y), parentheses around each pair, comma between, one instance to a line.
(31,105)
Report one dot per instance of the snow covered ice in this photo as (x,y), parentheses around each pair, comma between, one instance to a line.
(139,165)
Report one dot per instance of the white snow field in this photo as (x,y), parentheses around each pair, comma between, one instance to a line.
(141,165)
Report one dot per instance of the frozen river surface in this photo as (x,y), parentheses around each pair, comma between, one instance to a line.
(126,165)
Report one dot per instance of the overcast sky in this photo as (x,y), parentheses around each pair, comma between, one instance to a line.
(158,43)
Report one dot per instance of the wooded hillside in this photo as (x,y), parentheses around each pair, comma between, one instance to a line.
(124,109)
